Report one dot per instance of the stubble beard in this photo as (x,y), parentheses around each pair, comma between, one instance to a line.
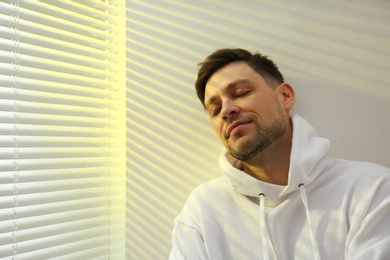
(261,140)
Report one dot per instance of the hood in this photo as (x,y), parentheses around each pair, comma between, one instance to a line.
(307,160)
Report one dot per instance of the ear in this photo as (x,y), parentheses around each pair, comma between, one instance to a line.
(288,95)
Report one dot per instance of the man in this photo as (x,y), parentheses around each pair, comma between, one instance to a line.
(281,196)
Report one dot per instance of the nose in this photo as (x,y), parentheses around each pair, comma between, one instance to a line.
(229,110)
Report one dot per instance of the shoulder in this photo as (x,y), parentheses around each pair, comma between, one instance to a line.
(361,180)
(364,170)
(202,201)
(208,196)
(212,189)
(354,179)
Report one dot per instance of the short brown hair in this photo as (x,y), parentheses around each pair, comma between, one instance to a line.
(222,57)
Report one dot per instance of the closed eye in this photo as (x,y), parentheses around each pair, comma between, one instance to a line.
(242,93)
(214,111)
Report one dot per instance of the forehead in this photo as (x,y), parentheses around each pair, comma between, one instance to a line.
(230,72)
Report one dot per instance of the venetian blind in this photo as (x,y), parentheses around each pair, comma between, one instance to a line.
(61,130)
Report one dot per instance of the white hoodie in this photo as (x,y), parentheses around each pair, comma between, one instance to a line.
(330,209)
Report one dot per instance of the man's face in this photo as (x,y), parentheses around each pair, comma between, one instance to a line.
(246,113)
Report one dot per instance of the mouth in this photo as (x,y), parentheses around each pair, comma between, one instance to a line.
(235,125)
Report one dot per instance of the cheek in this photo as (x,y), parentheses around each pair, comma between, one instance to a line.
(264,108)
(217,127)
(252,104)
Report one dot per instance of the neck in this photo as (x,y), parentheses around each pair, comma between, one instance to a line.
(272,165)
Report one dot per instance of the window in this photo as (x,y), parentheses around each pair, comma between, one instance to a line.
(62,129)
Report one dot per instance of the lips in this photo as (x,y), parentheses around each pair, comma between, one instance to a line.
(234,125)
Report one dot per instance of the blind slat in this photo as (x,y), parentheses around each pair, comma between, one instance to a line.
(63,120)
(65,31)
(6,45)
(60,246)
(42,164)
(59,235)
(29,98)
(62,77)
(49,206)
(55,65)
(52,44)
(7,84)
(62,174)
(84,17)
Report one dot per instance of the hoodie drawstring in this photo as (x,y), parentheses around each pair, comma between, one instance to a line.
(264,233)
(314,245)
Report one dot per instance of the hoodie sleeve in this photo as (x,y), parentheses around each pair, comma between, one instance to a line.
(372,239)
(187,243)
(187,237)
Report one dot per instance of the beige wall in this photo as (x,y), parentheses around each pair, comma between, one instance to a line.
(336,56)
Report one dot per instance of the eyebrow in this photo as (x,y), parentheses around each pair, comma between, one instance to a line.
(232,85)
